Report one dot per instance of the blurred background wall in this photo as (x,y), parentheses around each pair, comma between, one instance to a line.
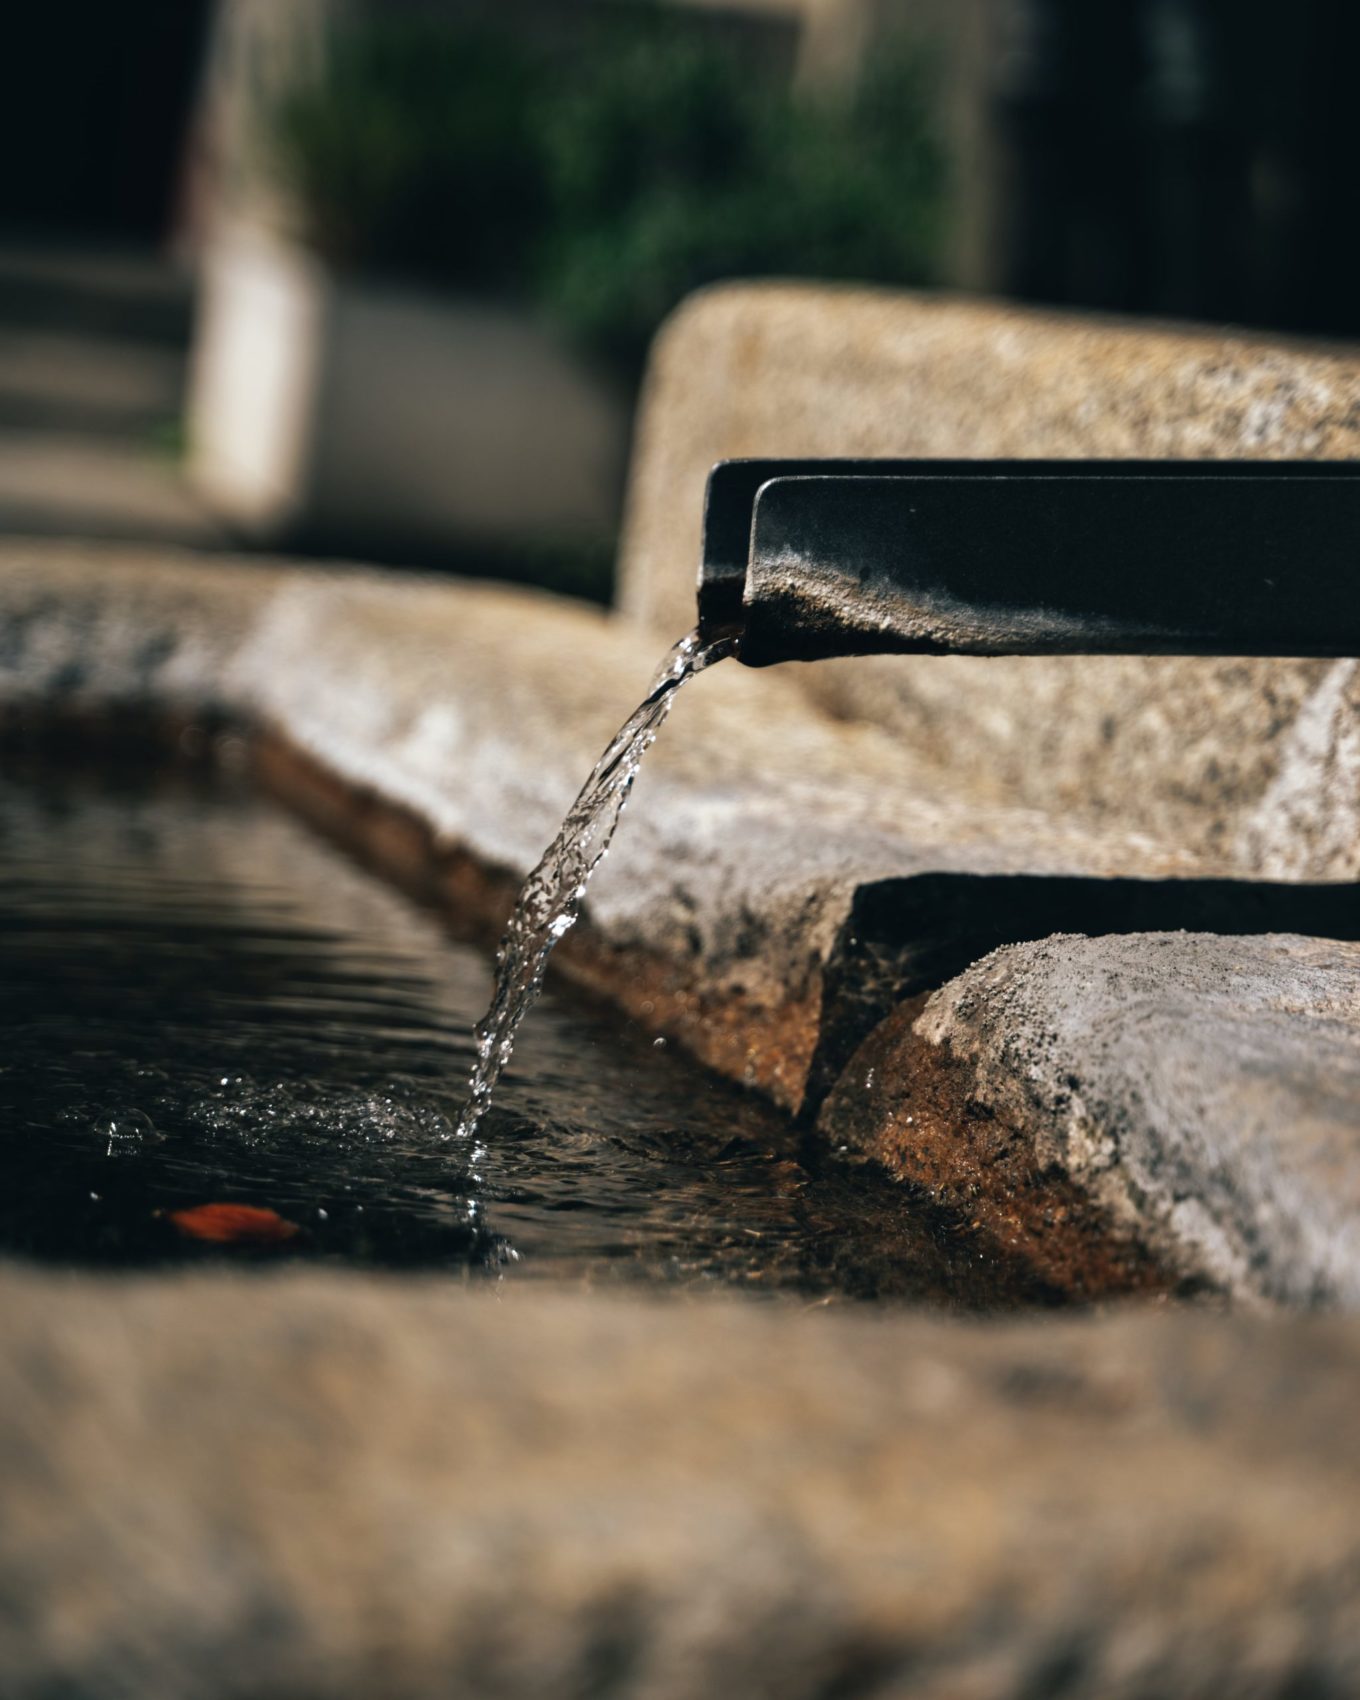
(380,277)
(1189,157)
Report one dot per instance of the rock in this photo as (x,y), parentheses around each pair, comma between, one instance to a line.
(323,1485)
(782,878)
(782,882)
(1139,1111)
(97,626)
(1197,753)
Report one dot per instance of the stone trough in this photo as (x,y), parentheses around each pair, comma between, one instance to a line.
(1067,943)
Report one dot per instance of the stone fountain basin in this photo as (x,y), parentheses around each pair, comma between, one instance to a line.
(344,1484)
(1153,1084)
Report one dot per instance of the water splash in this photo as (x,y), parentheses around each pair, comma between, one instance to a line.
(550,901)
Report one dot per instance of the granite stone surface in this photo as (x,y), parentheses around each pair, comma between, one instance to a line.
(1246,760)
(1181,1102)
(100,625)
(225,1487)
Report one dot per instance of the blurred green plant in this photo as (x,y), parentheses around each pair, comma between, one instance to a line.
(606,190)
(415,151)
(671,169)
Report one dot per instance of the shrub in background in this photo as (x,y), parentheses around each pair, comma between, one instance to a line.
(416,152)
(603,186)
(671,168)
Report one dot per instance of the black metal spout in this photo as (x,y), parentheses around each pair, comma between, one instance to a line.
(820,558)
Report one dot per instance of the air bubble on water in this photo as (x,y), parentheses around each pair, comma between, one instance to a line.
(333,1117)
(126,1132)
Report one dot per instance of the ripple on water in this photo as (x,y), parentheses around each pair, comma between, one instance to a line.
(206,1004)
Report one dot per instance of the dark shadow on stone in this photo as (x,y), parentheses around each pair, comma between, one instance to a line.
(904,938)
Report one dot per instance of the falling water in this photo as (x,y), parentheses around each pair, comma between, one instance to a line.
(551,899)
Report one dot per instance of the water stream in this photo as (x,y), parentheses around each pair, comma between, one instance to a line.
(550,901)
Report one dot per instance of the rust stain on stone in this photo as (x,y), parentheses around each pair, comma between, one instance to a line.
(907,1104)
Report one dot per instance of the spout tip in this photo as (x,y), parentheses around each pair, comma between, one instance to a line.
(721,611)
(728,499)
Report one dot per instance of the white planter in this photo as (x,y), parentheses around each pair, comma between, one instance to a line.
(345,411)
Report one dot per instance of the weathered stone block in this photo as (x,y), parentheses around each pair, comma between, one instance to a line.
(1249,759)
(221,1488)
(1169,1107)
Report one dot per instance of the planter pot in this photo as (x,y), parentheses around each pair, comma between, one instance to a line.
(332,410)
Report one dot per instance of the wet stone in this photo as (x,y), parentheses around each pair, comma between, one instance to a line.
(782,879)
(308,1481)
(1153,1111)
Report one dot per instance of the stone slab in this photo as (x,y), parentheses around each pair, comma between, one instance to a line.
(1125,1110)
(221,1487)
(63,484)
(94,625)
(1253,762)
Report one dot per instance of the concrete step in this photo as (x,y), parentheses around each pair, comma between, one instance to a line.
(74,381)
(55,485)
(126,293)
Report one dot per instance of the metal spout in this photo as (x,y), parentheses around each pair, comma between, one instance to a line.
(819,558)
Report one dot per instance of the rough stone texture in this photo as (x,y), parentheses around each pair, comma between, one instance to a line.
(1251,761)
(332,1486)
(94,625)
(1187,1104)
(220,1487)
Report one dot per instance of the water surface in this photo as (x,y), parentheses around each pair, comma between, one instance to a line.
(205,1003)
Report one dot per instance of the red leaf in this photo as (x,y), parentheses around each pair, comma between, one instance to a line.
(234,1224)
